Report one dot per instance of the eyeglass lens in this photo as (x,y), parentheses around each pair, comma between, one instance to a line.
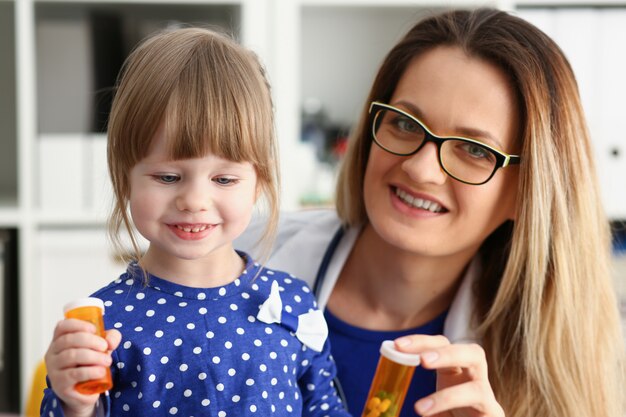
(462,159)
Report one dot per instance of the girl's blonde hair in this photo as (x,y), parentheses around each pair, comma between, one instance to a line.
(546,305)
(212,96)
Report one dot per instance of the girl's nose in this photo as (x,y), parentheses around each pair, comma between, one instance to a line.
(194,197)
(424,166)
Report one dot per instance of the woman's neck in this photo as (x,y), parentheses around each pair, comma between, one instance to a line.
(384,288)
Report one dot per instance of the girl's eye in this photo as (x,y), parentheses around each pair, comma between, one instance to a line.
(225,180)
(167,178)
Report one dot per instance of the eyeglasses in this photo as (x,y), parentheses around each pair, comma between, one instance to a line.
(466,160)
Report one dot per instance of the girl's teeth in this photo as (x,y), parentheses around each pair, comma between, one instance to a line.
(192,229)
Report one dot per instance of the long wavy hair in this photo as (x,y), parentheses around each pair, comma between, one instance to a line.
(212,96)
(546,306)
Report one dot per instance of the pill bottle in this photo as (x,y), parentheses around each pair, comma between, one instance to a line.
(90,309)
(391,381)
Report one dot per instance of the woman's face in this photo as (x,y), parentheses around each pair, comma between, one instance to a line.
(411,202)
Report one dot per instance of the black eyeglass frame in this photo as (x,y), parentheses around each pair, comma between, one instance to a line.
(502,158)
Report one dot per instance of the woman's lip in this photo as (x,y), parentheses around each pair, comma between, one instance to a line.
(417,201)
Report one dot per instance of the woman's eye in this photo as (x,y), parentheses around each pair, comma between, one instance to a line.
(167,178)
(225,180)
(477,151)
(406,124)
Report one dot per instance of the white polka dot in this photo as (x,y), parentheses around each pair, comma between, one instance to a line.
(253,408)
(182,304)
(173,410)
(140,296)
(169,385)
(149,313)
(178,342)
(240,330)
(129,281)
(109,303)
(310,387)
(273,355)
(281,395)
(117,325)
(234,307)
(288,309)
(255,287)
(165,360)
(263,367)
(228,345)
(201,296)
(158,333)
(251,319)
(221,414)
(288,281)
(284,343)
(197,350)
(210,335)
(219,387)
(268,330)
(221,319)
(127,344)
(216,359)
(152,378)
(183,367)
(140,396)
(171,319)
(161,301)
(306,289)
(245,356)
(324,406)
(138,368)
(191,326)
(245,295)
(202,376)
(289,408)
(178,294)
(205,402)
(147,351)
(222,291)
(257,342)
(120,365)
(202,310)
(237,282)
(305,362)
(156,404)
(249,382)
(273,381)
(236,398)
(138,329)
(187,393)
(231,372)
(297,298)
(264,394)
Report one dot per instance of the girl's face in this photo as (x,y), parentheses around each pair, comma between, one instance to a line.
(411,202)
(190,209)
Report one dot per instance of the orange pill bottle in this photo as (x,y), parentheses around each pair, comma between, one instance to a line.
(90,309)
(391,381)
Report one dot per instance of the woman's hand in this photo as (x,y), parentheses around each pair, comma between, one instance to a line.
(77,354)
(463,388)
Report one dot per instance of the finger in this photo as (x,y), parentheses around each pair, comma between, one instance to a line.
(72,358)
(72,326)
(418,343)
(474,394)
(78,340)
(113,338)
(469,357)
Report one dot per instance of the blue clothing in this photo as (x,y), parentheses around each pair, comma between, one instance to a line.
(202,352)
(356,352)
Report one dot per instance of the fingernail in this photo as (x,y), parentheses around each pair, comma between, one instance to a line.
(403,341)
(424,405)
(430,357)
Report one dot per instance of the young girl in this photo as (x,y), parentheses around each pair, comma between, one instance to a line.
(204,329)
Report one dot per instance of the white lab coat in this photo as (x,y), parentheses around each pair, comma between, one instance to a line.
(302,240)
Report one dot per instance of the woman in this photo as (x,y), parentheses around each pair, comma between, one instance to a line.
(468,206)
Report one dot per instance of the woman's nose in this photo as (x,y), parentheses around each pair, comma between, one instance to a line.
(194,197)
(424,166)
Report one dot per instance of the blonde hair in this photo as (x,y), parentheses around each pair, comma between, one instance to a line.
(212,96)
(546,305)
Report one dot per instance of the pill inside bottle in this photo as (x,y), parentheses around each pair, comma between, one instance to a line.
(391,381)
(90,309)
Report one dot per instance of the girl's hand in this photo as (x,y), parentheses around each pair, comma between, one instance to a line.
(463,388)
(77,354)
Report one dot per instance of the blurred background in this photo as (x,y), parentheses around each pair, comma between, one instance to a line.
(59,60)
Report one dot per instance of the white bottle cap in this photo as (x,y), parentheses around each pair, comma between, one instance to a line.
(388,350)
(84,302)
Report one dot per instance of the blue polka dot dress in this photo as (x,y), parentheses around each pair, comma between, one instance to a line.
(202,351)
